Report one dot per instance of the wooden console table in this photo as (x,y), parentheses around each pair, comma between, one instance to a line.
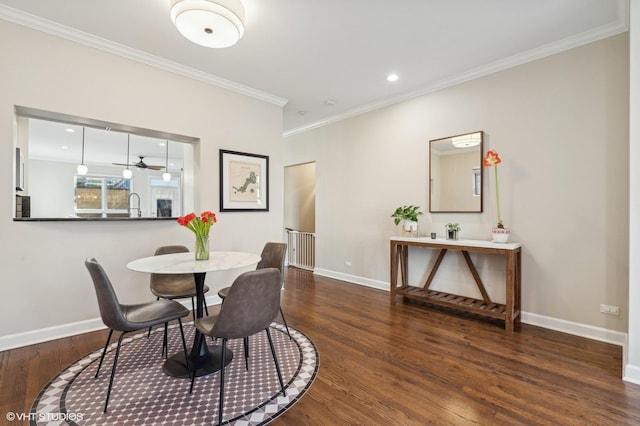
(508,312)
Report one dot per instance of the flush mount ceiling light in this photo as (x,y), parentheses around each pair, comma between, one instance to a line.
(209,23)
(466,141)
(392,77)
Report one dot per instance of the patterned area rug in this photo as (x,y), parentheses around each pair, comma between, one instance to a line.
(143,394)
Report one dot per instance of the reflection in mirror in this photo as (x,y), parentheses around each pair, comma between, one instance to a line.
(124,171)
(455,174)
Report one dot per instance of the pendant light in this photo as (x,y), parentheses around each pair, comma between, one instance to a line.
(166,176)
(82,168)
(127,173)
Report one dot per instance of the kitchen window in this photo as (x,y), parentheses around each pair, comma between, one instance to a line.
(102,196)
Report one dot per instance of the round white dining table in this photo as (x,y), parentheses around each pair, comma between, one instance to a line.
(207,357)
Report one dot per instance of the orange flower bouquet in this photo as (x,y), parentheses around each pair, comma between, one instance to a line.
(200,226)
(500,233)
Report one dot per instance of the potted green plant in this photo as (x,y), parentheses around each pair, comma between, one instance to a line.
(408,215)
(452,231)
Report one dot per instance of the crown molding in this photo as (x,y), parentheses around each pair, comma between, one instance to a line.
(615,28)
(55,29)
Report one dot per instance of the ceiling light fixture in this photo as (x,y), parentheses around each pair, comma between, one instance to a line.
(466,141)
(166,176)
(209,23)
(127,173)
(82,169)
(392,77)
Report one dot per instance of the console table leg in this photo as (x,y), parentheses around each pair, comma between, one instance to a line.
(511,288)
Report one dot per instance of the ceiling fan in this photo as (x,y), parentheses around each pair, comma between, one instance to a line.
(140,164)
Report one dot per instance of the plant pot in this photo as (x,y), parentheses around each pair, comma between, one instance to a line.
(500,235)
(410,228)
(452,234)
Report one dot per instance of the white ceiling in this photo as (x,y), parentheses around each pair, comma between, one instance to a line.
(300,53)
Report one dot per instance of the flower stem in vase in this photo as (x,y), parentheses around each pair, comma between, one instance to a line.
(202,247)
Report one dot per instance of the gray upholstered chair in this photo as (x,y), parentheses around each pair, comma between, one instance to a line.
(252,303)
(127,318)
(174,286)
(272,256)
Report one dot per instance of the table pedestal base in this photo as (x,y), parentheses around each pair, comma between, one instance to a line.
(210,363)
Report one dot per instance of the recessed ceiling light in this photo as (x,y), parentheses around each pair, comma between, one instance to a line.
(161,144)
(330,102)
(69,130)
(301,112)
(64,147)
(392,77)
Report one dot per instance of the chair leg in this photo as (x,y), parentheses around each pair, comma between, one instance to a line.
(285,323)
(104,351)
(113,372)
(195,362)
(221,401)
(246,352)
(184,347)
(149,332)
(275,360)
(165,348)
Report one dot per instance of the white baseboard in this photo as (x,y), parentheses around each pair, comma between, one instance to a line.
(577,329)
(26,338)
(631,374)
(32,337)
(381,285)
(569,327)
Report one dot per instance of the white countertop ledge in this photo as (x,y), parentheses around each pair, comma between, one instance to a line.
(468,243)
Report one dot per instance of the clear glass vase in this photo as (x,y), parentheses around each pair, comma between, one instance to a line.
(202,247)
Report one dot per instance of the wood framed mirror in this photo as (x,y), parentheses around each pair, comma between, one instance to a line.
(455,174)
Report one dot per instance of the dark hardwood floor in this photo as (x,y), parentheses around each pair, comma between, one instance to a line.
(403,364)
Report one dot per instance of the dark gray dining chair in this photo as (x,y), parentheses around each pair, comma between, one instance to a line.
(174,286)
(127,318)
(252,303)
(272,256)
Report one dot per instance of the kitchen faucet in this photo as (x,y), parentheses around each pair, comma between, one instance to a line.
(135,208)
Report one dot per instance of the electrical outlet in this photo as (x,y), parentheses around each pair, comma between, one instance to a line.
(610,310)
(347,263)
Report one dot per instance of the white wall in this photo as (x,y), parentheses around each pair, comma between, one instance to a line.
(560,125)
(45,283)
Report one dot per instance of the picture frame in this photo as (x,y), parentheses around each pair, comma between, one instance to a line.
(244,182)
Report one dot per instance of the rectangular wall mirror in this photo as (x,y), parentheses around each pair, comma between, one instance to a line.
(128,172)
(455,174)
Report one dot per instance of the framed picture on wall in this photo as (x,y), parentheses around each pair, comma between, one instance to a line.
(244,182)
